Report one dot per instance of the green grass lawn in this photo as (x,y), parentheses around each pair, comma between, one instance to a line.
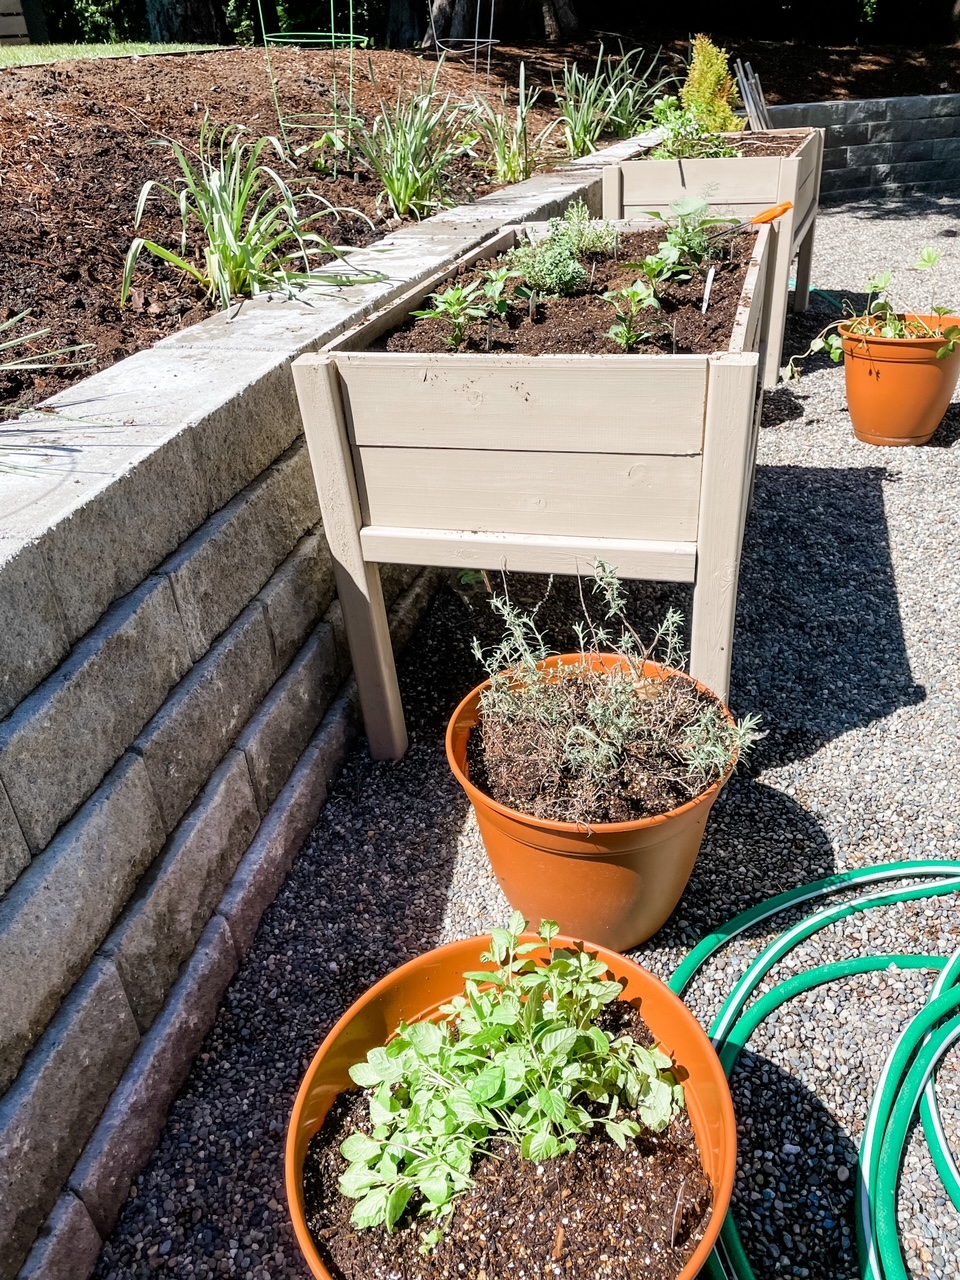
(28,55)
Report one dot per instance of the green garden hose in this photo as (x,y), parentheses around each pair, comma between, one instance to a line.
(907,1079)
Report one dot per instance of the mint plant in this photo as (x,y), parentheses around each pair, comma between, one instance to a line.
(517,1057)
(880,318)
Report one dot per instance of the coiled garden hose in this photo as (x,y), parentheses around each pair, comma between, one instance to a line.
(907,1078)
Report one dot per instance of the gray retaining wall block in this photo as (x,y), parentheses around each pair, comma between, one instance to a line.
(264,867)
(219,570)
(62,739)
(62,907)
(33,637)
(191,733)
(177,897)
(67,1246)
(888,145)
(277,735)
(134,1118)
(14,854)
(49,1114)
(297,595)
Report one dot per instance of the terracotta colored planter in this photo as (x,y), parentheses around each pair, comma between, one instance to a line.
(417,989)
(616,882)
(897,389)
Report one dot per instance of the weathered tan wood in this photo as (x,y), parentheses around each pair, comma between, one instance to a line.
(13,27)
(806,233)
(529,553)
(725,480)
(653,184)
(358,582)
(582,495)
(612,192)
(746,334)
(651,404)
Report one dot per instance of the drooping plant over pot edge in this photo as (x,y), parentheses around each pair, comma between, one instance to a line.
(592,774)
(901,368)
(531,1082)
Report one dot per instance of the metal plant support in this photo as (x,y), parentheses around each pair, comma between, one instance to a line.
(464,44)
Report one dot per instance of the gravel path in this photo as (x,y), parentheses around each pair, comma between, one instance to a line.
(848,644)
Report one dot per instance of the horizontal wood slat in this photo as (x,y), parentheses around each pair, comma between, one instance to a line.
(604,404)
(647,184)
(580,495)
(528,553)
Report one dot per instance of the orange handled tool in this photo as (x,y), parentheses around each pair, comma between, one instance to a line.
(765,215)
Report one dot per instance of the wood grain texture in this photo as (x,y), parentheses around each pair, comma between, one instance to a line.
(358,582)
(605,404)
(529,553)
(575,494)
(726,477)
(747,323)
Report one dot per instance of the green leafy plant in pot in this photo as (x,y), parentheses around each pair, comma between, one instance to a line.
(592,774)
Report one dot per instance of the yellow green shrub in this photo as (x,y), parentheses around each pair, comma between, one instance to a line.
(710,86)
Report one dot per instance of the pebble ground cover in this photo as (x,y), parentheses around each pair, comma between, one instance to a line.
(848,644)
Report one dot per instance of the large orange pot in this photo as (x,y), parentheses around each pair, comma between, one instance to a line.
(417,990)
(897,389)
(614,882)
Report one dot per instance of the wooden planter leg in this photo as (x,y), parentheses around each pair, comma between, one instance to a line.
(801,293)
(725,479)
(358,582)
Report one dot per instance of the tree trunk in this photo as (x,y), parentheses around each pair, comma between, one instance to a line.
(567,18)
(551,28)
(463,24)
(403,24)
(186,21)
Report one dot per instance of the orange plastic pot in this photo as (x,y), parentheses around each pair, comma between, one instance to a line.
(417,990)
(897,389)
(614,882)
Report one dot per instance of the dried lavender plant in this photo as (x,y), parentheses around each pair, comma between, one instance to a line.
(588,742)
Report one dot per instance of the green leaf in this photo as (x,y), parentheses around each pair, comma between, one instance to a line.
(487,1084)
(518,924)
(365,1075)
(552,1104)
(549,928)
(436,1187)
(559,1042)
(359,1147)
(426,1038)
(616,1133)
(357,1180)
(397,1201)
(371,1211)
(541,1145)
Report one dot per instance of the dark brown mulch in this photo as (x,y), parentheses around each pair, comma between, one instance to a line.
(596,1214)
(578,325)
(77,142)
(764,144)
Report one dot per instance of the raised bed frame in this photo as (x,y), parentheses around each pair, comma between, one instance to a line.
(743,185)
(531,463)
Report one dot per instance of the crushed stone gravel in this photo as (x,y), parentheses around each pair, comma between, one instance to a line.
(848,644)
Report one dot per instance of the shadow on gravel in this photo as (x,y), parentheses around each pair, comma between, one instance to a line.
(948,433)
(905,206)
(791,1151)
(819,644)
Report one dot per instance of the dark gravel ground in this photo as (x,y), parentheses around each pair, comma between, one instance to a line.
(848,643)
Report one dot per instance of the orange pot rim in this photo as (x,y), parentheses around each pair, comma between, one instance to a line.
(722,1186)
(572,828)
(868,339)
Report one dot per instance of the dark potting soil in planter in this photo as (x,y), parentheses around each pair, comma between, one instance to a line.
(514,764)
(578,324)
(768,144)
(594,1214)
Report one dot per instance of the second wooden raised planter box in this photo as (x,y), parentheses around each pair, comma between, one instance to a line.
(531,463)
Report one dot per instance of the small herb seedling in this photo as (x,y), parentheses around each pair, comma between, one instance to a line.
(458,306)
(518,1056)
(629,302)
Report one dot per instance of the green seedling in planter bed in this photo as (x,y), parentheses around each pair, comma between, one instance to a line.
(518,1057)
(458,306)
(688,135)
(880,318)
(629,304)
(551,266)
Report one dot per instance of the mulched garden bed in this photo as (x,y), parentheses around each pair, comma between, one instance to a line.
(596,1214)
(577,325)
(78,141)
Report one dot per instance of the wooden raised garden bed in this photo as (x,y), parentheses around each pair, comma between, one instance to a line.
(531,463)
(744,185)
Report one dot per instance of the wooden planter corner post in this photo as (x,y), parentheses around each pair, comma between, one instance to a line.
(537,464)
(744,185)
